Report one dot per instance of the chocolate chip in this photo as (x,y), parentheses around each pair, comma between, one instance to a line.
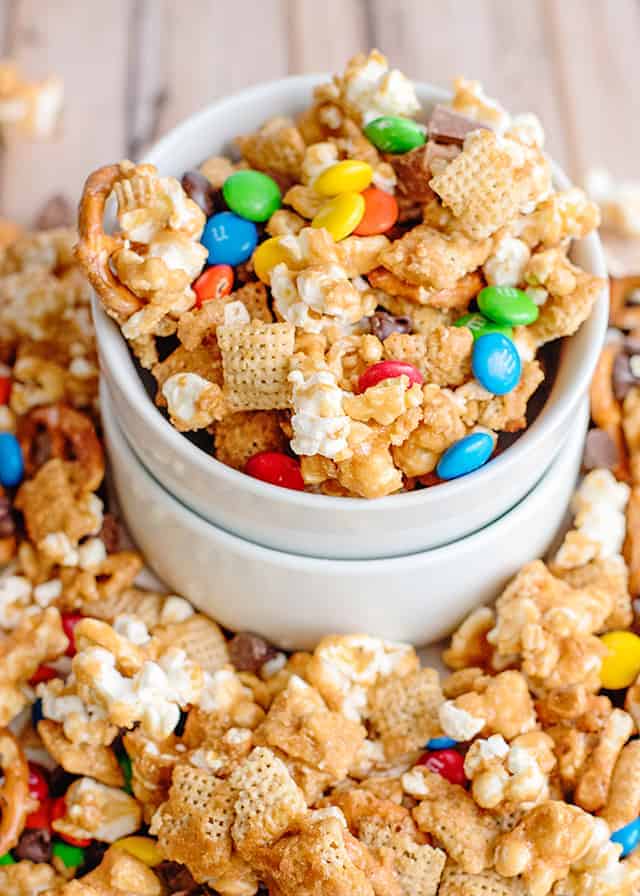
(59,781)
(110,533)
(56,212)
(176,877)
(93,855)
(383,324)
(198,188)
(7,524)
(448,126)
(34,845)
(599,451)
(249,653)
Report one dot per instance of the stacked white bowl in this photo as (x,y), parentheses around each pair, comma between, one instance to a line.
(292,565)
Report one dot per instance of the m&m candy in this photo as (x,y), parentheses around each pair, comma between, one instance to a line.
(621,665)
(481,325)
(441,743)
(507,305)
(229,238)
(340,215)
(36,712)
(43,673)
(380,212)
(277,469)
(386,370)
(125,764)
(628,837)
(69,622)
(391,133)
(267,256)
(465,456)
(5,389)
(447,763)
(350,175)
(38,785)
(71,856)
(496,363)
(252,195)
(58,810)
(7,859)
(11,462)
(214,283)
(40,818)
(143,848)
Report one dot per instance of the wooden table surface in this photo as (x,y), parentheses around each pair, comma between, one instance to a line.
(133,68)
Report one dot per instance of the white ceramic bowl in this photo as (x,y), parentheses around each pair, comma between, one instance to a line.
(293,600)
(314,525)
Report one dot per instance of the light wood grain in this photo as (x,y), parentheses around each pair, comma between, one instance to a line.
(134,68)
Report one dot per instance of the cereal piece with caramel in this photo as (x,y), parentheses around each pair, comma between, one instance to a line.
(277,148)
(99,761)
(491,181)
(441,426)
(299,725)
(434,260)
(241,435)
(404,712)
(571,294)
(444,810)
(95,811)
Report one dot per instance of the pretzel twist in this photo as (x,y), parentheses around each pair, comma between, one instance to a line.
(14,794)
(71,436)
(95,247)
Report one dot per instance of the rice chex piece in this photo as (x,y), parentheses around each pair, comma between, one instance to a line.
(417,866)
(200,638)
(256,360)
(456,882)
(491,180)
(434,260)
(404,711)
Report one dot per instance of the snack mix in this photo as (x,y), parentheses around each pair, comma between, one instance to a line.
(145,752)
(359,305)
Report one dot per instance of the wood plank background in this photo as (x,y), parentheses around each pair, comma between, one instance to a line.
(133,68)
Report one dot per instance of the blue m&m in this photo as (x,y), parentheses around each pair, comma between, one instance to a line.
(465,456)
(441,743)
(229,238)
(11,463)
(628,837)
(496,363)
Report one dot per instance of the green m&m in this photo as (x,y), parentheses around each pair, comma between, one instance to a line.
(252,195)
(507,305)
(70,856)
(391,133)
(125,764)
(7,859)
(480,325)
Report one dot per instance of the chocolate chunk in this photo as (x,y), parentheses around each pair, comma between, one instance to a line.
(383,324)
(448,126)
(110,533)
(176,877)
(7,524)
(198,188)
(413,174)
(249,652)
(93,855)
(59,781)
(56,212)
(599,451)
(34,845)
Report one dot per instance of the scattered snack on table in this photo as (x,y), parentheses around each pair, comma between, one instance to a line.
(437,248)
(29,108)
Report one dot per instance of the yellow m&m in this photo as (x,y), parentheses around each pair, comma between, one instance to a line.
(143,848)
(340,215)
(621,666)
(267,256)
(349,176)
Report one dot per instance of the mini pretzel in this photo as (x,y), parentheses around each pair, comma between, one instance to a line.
(71,436)
(14,794)
(95,247)
(606,410)
(620,315)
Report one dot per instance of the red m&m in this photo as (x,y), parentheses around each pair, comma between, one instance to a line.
(5,389)
(69,622)
(276,468)
(38,785)
(447,763)
(386,370)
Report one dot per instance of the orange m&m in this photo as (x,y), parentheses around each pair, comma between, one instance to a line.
(214,283)
(380,212)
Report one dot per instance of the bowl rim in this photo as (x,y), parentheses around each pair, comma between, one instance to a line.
(115,353)
(341,565)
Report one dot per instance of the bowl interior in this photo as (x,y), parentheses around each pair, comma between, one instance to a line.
(212,131)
